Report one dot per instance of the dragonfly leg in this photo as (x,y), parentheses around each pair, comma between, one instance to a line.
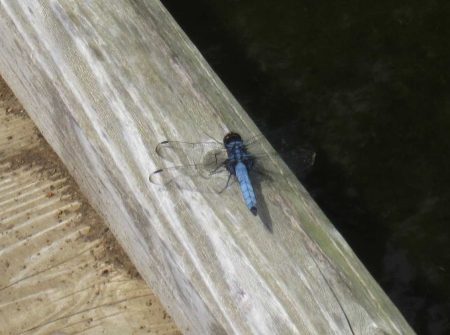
(226,185)
(218,166)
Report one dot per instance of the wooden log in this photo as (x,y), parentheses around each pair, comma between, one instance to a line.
(105,82)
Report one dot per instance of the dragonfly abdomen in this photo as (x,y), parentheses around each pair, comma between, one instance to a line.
(246,186)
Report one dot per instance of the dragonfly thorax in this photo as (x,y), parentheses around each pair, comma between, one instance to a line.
(237,153)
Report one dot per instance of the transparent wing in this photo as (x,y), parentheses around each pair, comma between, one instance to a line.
(200,166)
(298,158)
(267,170)
(208,154)
(278,135)
(193,178)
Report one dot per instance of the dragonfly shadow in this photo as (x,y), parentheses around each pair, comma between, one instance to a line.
(263,211)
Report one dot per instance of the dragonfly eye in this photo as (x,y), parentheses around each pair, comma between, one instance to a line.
(231,137)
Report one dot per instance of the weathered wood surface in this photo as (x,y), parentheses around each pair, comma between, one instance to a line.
(105,82)
(61,270)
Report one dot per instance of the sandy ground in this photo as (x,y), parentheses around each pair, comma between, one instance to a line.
(62,271)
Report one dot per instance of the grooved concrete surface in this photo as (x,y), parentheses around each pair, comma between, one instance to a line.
(61,271)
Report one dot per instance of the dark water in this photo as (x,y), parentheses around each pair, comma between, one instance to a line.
(370,83)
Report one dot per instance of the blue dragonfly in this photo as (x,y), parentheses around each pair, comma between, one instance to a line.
(214,166)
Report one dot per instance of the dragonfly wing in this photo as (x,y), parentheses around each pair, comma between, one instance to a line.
(193,178)
(267,170)
(208,154)
(298,159)
(259,143)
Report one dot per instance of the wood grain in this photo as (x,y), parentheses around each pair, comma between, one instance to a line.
(61,270)
(105,84)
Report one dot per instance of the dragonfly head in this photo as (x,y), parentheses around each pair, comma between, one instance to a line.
(231,137)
